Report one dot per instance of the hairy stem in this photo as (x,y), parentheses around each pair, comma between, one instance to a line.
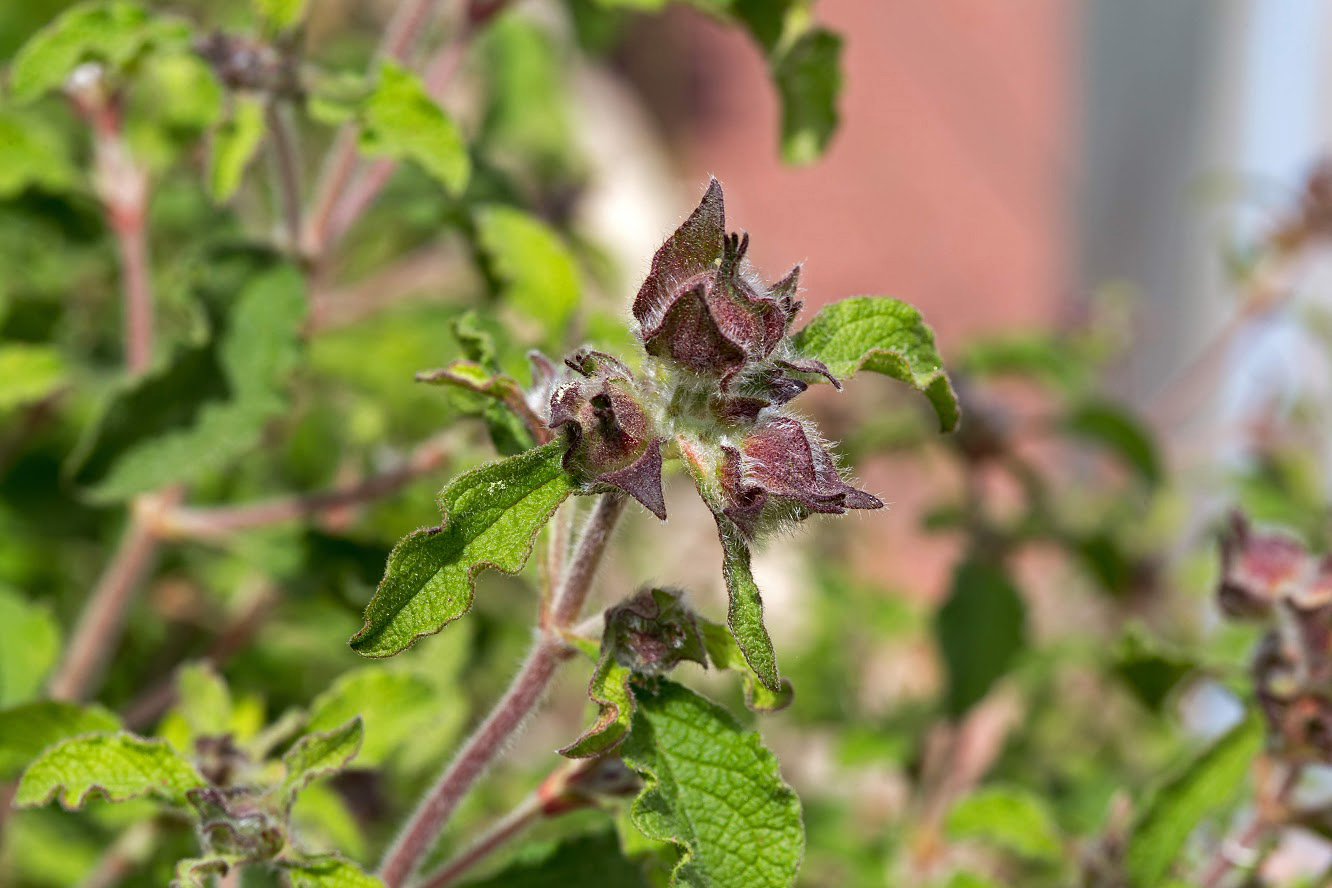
(528,811)
(103,617)
(518,703)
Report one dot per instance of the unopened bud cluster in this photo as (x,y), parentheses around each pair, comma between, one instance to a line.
(720,374)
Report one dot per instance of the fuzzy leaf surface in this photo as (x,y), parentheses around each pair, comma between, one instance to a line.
(712,789)
(724,653)
(609,689)
(744,614)
(884,336)
(113,33)
(401,121)
(1208,785)
(320,755)
(980,630)
(28,729)
(118,765)
(491,517)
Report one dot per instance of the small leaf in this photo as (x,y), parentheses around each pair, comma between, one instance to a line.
(198,872)
(744,614)
(539,274)
(397,707)
(1009,818)
(809,79)
(28,729)
(319,755)
(1149,668)
(582,860)
(401,121)
(32,154)
(491,517)
(609,689)
(235,144)
(29,643)
(112,33)
(883,336)
(980,630)
(205,701)
(328,871)
(714,791)
(1204,788)
(118,765)
(724,653)
(1120,433)
(28,372)
(280,15)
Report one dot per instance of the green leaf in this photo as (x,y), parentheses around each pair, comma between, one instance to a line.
(29,645)
(1007,817)
(235,143)
(1149,668)
(582,860)
(118,765)
(491,516)
(809,78)
(205,701)
(329,871)
(280,15)
(714,791)
(401,121)
(173,426)
(28,729)
(1204,788)
(724,653)
(883,336)
(32,154)
(539,274)
(198,872)
(319,755)
(398,708)
(1120,433)
(114,34)
(28,372)
(744,615)
(609,689)
(980,631)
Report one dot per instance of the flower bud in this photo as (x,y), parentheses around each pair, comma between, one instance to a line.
(781,470)
(612,440)
(702,307)
(653,631)
(1257,570)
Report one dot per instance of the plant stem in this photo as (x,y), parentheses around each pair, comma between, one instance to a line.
(221,521)
(516,821)
(400,33)
(287,165)
(1270,813)
(507,718)
(103,616)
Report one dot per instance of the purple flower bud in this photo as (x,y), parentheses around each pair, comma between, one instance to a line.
(1258,570)
(702,307)
(653,631)
(612,440)
(781,469)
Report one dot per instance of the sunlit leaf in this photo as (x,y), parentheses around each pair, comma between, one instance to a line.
(235,143)
(28,373)
(27,729)
(118,765)
(320,754)
(329,871)
(724,653)
(29,645)
(32,155)
(539,274)
(399,120)
(1006,817)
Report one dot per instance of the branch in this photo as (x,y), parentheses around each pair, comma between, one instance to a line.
(287,164)
(221,521)
(513,709)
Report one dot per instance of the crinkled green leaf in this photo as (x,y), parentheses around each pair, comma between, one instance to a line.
(32,154)
(491,517)
(980,630)
(235,143)
(609,689)
(29,644)
(398,708)
(176,425)
(883,336)
(280,15)
(1207,786)
(198,872)
(205,701)
(539,274)
(329,871)
(724,653)
(112,33)
(744,614)
(319,755)
(1120,433)
(1007,817)
(401,121)
(29,728)
(582,860)
(117,765)
(28,372)
(713,790)
(808,75)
